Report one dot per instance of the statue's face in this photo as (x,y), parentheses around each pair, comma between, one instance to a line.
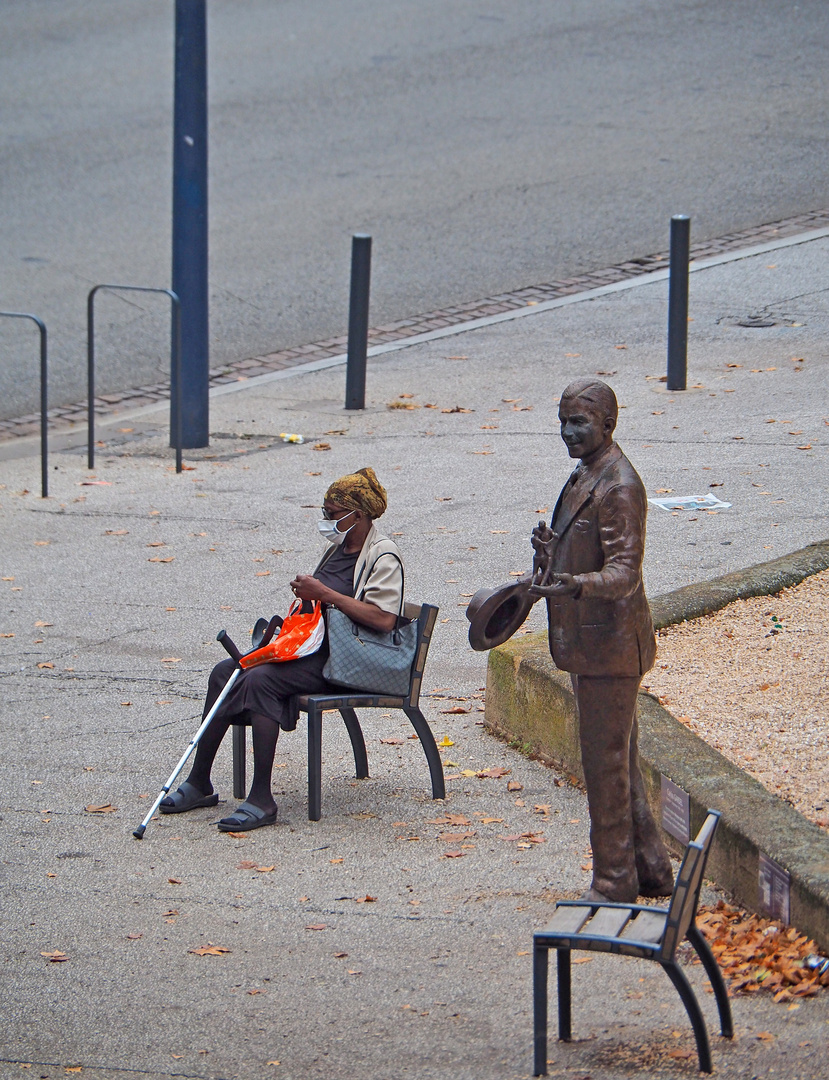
(583,430)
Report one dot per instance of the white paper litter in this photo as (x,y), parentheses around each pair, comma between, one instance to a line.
(691,502)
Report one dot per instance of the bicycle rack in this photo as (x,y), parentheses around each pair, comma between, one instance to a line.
(175,364)
(44,446)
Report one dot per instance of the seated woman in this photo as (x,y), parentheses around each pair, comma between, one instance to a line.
(352,575)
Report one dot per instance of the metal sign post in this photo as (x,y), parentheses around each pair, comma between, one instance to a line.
(190,219)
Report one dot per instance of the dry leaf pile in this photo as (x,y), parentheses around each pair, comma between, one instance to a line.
(759,954)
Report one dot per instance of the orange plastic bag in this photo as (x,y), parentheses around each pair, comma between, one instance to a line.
(300,635)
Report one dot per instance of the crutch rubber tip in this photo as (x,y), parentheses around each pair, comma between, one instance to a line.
(139,832)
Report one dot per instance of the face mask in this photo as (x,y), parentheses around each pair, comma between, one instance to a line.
(330,531)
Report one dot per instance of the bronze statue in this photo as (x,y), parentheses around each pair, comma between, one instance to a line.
(588,566)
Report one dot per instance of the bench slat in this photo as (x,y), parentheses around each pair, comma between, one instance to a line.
(567,920)
(648,926)
(608,921)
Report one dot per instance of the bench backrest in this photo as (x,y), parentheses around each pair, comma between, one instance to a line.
(685,897)
(426,615)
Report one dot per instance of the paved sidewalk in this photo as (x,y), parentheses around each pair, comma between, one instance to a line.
(436,982)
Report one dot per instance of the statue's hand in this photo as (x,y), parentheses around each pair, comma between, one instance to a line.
(560,585)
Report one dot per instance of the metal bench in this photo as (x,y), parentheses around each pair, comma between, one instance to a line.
(650,933)
(345,702)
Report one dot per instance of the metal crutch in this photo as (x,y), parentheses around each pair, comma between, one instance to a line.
(237,656)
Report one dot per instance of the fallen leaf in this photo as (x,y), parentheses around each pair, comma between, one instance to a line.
(354,971)
(134,937)
(393,742)
(340,955)
(170,659)
(492,821)
(316,926)
(6,635)
(106,808)
(157,558)
(126,703)
(209,950)
(56,956)
(321,446)
(582,960)
(156,543)
(514,785)
(493,774)
(456,838)
(806,446)
(263,573)
(46,664)
(174,880)
(255,991)
(457,409)
(239,835)
(456,709)
(766,1036)
(116,532)
(453,855)
(40,622)
(169,914)
(365,899)
(264,869)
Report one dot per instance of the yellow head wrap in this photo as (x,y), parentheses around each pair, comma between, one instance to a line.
(359,491)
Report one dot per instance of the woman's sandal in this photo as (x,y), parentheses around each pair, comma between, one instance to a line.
(247,817)
(187,797)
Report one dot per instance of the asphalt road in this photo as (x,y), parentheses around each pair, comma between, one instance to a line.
(485,145)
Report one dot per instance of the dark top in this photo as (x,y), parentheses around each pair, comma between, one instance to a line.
(337,572)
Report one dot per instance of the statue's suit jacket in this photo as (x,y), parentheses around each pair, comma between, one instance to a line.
(599,533)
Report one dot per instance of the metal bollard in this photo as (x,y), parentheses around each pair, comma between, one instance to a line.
(355,377)
(175,367)
(678,302)
(44,405)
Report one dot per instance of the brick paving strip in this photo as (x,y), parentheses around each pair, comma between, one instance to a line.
(66,416)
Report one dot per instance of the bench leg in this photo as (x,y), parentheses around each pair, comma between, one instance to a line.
(314,764)
(683,987)
(540,953)
(712,970)
(239,761)
(565,1013)
(427,741)
(358,743)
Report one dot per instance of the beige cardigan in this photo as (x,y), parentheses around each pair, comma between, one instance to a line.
(384,585)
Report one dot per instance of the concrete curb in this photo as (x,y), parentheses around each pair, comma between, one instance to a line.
(529,704)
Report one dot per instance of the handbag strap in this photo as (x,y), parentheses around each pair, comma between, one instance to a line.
(393,555)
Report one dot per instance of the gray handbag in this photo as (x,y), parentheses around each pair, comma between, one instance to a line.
(373,661)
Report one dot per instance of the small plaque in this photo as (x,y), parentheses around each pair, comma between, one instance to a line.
(676,811)
(774,889)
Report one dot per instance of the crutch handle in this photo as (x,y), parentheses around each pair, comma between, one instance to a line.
(227,643)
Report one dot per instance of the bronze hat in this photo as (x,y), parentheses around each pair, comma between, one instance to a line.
(495,614)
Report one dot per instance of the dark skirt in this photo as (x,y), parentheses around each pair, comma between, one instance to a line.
(267,688)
